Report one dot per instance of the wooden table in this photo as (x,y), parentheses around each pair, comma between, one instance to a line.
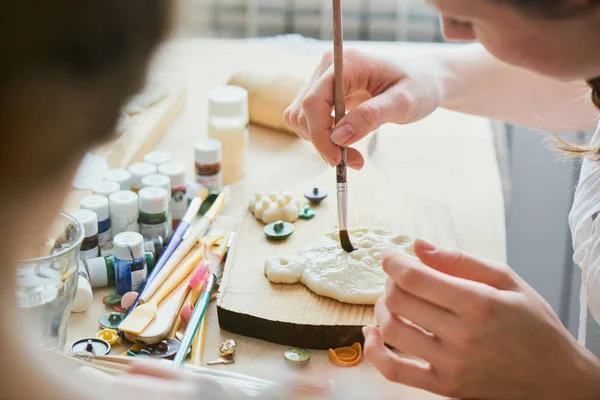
(448,157)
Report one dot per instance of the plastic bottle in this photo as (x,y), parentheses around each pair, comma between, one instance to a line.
(102,269)
(138,171)
(228,123)
(124,212)
(89,245)
(158,157)
(119,175)
(179,203)
(131,271)
(153,215)
(106,188)
(99,205)
(208,164)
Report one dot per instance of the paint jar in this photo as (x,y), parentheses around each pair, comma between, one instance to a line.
(178,203)
(119,175)
(158,157)
(152,246)
(208,164)
(131,271)
(84,296)
(99,205)
(89,246)
(102,269)
(154,204)
(138,171)
(106,188)
(163,181)
(228,123)
(46,283)
(124,212)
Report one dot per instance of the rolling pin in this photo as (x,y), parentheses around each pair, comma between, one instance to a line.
(268,97)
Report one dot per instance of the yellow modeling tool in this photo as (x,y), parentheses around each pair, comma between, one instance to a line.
(143,314)
(196,285)
(191,239)
(198,342)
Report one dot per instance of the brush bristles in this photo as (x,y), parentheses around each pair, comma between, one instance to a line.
(345,241)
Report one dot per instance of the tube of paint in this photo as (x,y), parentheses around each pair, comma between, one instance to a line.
(99,205)
(130,265)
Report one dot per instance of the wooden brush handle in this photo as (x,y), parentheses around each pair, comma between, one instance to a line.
(339,94)
(183,270)
(216,207)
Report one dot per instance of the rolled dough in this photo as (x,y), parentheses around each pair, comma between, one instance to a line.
(326,269)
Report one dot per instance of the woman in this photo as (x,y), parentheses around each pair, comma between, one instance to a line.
(481,330)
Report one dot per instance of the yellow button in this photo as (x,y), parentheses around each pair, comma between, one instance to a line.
(110,335)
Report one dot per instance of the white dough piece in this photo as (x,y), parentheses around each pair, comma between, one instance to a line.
(274,207)
(326,269)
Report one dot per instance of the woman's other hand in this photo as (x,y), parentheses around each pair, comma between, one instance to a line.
(378,90)
(480,329)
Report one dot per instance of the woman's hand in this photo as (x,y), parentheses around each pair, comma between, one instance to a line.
(377,90)
(481,330)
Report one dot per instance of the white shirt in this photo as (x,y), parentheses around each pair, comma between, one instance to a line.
(585,230)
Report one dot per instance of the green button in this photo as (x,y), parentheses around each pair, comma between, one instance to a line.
(297,356)
(306,213)
(279,230)
(111,320)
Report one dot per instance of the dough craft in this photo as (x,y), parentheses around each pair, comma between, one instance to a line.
(326,269)
(274,207)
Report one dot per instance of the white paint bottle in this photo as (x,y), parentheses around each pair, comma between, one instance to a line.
(124,212)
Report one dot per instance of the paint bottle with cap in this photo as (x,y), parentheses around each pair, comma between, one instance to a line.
(154,204)
(124,212)
(154,246)
(99,205)
(119,175)
(138,171)
(228,123)
(106,188)
(89,246)
(101,270)
(178,203)
(163,181)
(208,164)
(158,157)
(131,271)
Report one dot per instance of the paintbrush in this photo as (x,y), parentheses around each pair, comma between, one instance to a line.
(190,240)
(340,110)
(196,318)
(176,240)
(143,314)
(195,284)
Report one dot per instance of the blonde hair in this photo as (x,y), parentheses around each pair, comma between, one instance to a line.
(578,150)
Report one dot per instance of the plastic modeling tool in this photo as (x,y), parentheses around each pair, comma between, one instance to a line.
(195,320)
(198,230)
(346,356)
(340,110)
(143,314)
(176,240)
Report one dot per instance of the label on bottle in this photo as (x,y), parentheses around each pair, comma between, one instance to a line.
(104,232)
(91,253)
(120,225)
(178,205)
(151,230)
(211,182)
(130,275)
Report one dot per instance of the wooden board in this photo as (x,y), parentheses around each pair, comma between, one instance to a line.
(144,130)
(293,315)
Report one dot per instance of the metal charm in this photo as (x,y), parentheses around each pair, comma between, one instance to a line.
(226,351)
